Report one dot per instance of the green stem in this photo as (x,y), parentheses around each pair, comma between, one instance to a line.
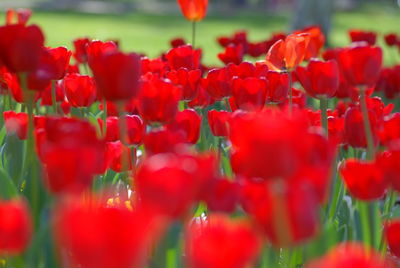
(365,224)
(104,115)
(323,105)
(53,96)
(367,125)
(193,34)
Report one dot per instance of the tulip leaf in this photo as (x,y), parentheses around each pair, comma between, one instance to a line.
(7,187)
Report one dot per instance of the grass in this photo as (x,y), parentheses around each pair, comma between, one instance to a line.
(150,33)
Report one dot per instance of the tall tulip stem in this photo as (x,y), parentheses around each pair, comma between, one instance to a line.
(367,125)
(193,34)
(323,105)
(104,116)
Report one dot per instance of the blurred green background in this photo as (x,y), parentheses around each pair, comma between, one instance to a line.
(146,26)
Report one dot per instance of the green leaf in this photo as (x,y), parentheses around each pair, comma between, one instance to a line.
(7,188)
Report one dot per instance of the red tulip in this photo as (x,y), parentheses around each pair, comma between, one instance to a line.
(364,180)
(188,80)
(320,79)
(20,47)
(392,235)
(80,90)
(135,129)
(170,183)
(361,64)
(183,57)
(91,234)
(80,53)
(117,75)
(351,254)
(193,10)
(286,211)
(177,42)
(118,156)
(389,163)
(22,16)
(96,49)
(250,93)
(232,54)
(203,98)
(158,100)
(163,141)
(218,122)
(71,154)
(209,243)
(218,83)
(189,122)
(359,36)
(15,226)
(46,94)
(316,43)
(155,66)
(222,195)
(278,86)
(16,123)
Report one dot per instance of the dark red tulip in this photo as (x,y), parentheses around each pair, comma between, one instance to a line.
(203,98)
(16,123)
(243,70)
(46,94)
(170,183)
(250,93)
(177,42)
(92,234)
(364,180)
(80,53)
(96,49)
(117,75)
(158,100)
(360,36)
(208,244)
(20,47)
(218,83)
(15,226)
(351,254)
(135,129)
(389,163)
(287,212)
(320,79)
(361,64)
(188,121)
(71,154)
(163,141)
(391,39)
(80,90)
(219,122)
(232,54)
(183,57)
(193,10)
(278,87)
(188,80)
(392,235)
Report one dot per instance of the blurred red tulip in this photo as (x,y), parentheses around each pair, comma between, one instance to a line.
(15,226)
(177,42)
(232,54)
(158,100)
(193,10)
(16,123)
(360,35)
(219,122)
(21,14)
(392,236)
(80,90)
(278,86)
(91,234)
(189,122)
(361,64)
(116,154)
(316,43)
(163,141)
(183,57)
(209,243)
(80,53)
(222,195)
(170,183)
(354,133)
(351,254)
(319,79)
(117,75)
(20,47)
(219,83)
(391,39)
(96,49)
(188,80)
(364,180)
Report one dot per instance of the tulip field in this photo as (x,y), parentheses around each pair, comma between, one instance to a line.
(280,152)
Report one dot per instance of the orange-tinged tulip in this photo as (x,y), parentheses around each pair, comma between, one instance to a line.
(317,41)
(287,54)
(193,10)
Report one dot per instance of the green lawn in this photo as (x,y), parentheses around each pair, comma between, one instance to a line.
(149,33)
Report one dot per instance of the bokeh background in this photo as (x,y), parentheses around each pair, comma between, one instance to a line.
(146,26)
